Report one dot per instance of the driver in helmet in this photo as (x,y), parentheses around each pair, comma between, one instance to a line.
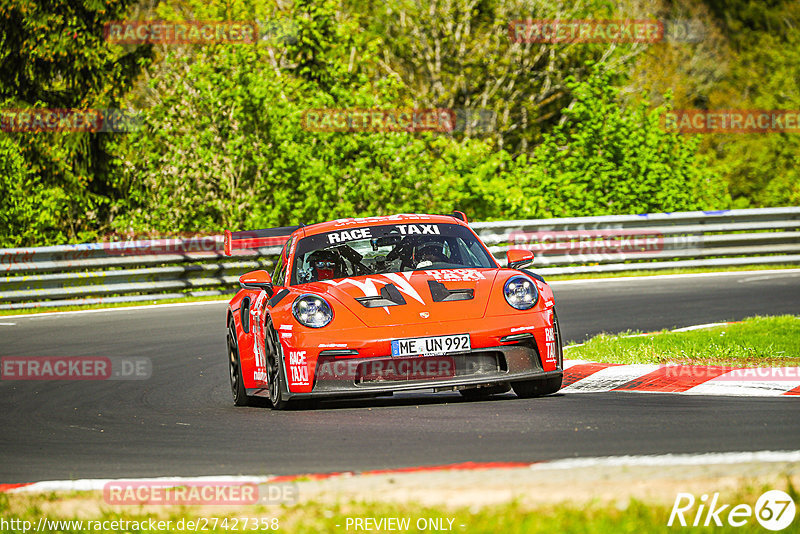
(325,265)
(430,253)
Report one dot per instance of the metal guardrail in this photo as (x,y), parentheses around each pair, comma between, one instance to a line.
(152,270)
(123,271)
(657,241)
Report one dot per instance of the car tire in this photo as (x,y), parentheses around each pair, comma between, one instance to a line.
(238,390)
(477,394)
(536,388)
(275,378)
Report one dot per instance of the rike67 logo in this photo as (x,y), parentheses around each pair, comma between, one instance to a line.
(774,510)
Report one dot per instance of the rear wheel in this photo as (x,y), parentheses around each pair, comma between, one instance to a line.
(476,394)
(536,388)
(240,397)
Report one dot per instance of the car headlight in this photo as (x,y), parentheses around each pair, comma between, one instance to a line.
(521,292)
(312,311)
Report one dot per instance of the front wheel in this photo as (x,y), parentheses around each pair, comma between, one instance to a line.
(274,369)
(536,388)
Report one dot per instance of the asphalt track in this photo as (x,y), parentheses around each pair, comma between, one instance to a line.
(181,421)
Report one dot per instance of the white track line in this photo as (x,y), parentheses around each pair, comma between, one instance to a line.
(765,277)
(699,327)
(116,309)
(646,334)
(662,460)
(714,458)
(96,484)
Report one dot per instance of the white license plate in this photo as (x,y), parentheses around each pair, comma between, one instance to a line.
(432,345)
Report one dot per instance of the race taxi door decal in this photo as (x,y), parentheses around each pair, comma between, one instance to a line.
(257,311)
(551,350)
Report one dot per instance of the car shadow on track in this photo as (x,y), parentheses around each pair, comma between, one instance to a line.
(401,400)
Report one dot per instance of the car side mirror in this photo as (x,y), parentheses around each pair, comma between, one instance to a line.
(257,280)
(518,258)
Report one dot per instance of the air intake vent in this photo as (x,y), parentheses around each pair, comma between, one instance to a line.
(390,296)
(440,293)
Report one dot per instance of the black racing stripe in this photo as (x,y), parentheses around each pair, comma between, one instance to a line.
(533,274)
(277,297)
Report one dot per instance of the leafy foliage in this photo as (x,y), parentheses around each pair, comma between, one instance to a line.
(28,209)
(462,54)
(747,60)
(604,159)
(575,131)
(53,55)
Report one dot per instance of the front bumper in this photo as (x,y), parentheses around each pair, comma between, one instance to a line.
(500,365)
(504,349)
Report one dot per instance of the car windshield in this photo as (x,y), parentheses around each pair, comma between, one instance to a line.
(389,248)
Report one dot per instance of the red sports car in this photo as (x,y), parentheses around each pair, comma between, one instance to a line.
(372,306)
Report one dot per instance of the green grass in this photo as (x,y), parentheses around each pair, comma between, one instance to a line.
(636,517)
(633,516)
(756,341)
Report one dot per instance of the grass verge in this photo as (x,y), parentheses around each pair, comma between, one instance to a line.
(756,341)
(87,514)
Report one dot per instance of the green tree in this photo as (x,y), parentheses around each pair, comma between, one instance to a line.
(464,54)
(604,159)
(763,169)
(28,208)
(53,55)
(224,144)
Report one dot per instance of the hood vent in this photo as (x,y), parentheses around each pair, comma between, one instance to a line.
(390,296)
(440,293)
